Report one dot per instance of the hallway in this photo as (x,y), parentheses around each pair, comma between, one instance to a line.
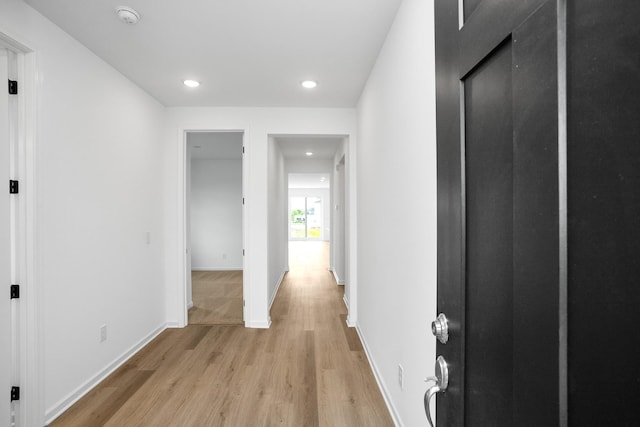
(307,369)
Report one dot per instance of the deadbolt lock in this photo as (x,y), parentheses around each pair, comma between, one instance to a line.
(440,328)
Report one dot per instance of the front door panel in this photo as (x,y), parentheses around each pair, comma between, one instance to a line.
(498,212)
(489,236)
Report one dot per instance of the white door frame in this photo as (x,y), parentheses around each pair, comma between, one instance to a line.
(339,222)
(29,352)
(184,254)
(8,321)
(351,230)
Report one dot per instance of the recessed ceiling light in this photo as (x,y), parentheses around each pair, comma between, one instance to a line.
(309,153)
(128,15)
(191,83)
(309,84)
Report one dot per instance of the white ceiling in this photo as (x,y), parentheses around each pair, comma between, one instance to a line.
(244,52)
(296,147)
(309,180)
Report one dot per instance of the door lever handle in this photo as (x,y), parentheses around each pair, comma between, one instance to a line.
(441,380)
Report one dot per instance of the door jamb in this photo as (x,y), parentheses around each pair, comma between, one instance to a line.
(30,349)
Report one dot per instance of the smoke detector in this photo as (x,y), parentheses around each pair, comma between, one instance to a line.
(127,15)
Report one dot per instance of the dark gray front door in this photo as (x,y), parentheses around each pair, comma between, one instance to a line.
(498,221)
(538,125)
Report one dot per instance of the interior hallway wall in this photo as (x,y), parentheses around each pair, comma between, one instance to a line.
(397,210)
(309,165)
(277,220)
(99,208)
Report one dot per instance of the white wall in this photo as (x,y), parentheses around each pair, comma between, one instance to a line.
(99,191)
(308,165)
(257,124)
(277,220)
(216,214)
(397,210)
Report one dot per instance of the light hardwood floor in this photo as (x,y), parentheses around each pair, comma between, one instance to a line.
(217,298)
(308,369)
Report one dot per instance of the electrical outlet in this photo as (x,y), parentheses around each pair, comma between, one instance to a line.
(103,333)
(401,376)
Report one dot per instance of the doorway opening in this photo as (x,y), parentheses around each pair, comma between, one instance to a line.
(315,188)
(214,228)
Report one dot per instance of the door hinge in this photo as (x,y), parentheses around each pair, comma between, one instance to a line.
(13,87)
(243,200)
(15,291)
(242,149)
(13,187)
(243,252)
(15,393)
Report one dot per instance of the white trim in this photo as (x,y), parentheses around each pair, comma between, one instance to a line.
(381,384)
(85,388)
(258,325)
(216,268)
(31,365)
(346,303)
(351,228)
(275,293)
(174,325)
(350,322)
(182,249)
(337,279)
(190,305)
(32,355)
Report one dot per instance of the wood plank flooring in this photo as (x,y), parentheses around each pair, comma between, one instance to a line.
(308,369)
(217,298)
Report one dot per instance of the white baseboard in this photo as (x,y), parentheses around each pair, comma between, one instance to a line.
(258,325)
(190,305)
(173,325)
(346,301)
(337,279)
(381,384)
(216,268)
(275,293)
(56,410)
(351,323)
